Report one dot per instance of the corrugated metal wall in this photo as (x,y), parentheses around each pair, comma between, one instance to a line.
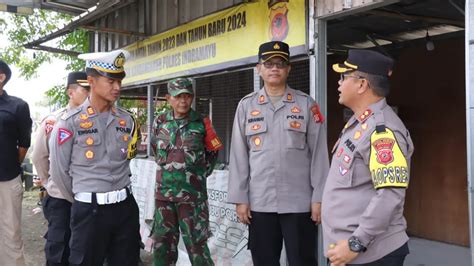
(152,17)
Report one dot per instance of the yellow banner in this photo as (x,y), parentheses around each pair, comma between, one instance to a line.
(221,40)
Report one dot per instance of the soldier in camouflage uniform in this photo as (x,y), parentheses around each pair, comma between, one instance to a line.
(186,152)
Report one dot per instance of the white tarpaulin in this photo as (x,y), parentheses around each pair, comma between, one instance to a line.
(228,244)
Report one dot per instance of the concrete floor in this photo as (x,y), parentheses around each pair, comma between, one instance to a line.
(431,253)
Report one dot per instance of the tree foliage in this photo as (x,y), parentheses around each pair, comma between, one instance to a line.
(24,29)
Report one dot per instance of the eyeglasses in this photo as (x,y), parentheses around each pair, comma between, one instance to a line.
(344,76)
(279,65)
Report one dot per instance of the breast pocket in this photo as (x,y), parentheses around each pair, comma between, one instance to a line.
(255,133)
(88,148)
(193,140)
(295,134)
(162,147)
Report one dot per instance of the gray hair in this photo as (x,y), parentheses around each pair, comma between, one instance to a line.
(379,84)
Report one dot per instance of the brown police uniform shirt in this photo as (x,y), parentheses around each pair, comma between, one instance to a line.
(40,156)
(278,158)
(365,189)
(89,154)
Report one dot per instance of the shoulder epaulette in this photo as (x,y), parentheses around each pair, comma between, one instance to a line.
(70,113)
(301,93)
(249,95)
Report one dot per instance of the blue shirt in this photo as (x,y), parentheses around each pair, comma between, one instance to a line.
(15,131)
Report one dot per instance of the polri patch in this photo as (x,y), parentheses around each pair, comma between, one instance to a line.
(86,124)
(295,110)
(122,122)
(255,112)
(48,126)
(83,117)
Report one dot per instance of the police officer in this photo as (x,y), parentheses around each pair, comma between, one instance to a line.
(90,151)
(186,152)
(278,164)
(363,199)
(56,209)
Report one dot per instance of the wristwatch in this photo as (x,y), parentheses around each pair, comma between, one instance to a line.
(355,245)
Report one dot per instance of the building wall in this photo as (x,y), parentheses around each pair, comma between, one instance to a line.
(429,90)
(152,17)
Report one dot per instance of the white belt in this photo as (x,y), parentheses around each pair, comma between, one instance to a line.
(103,198)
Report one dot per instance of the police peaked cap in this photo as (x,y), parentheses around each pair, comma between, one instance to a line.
(79,77)
(273,49)
(366,61)
(108,64)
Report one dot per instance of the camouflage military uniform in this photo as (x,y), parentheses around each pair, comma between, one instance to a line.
(186,155)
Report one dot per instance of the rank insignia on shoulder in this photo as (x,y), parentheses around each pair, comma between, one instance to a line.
(90,111)
(89,154)
(64,135)
(83,116)
(294,124)
(89,141)
(255,112)
(261,99)
(122,122)
(365,115)
(295,109)
(289,97)
(317,115)
(86,124)
(48,126)
(342,170)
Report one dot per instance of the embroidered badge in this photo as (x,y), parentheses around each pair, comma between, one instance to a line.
(295,110)
(256,127)
(255,112)
(86,124)
(48,126)
(90,111)
(122,123)
(89,154)
(357,135)
(317,116)
(257,141)
(216,143)
(89,141)
(347,158)
(289,97)
(383,148)
(295,124)
(342,170)
(339,152)
(125,138)
(261,99)
(83,116)
(364,126)
(64,135)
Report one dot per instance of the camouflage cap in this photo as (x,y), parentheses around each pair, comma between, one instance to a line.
(180,85)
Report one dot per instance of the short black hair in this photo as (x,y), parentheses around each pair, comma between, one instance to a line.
(5,69)
(379,84)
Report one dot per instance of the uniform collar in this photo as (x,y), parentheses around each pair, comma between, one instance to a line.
(288,96)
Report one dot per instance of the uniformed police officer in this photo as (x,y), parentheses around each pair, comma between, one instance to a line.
(90,151)
(363,198)
(186,153)
(56,209)
(278,164)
